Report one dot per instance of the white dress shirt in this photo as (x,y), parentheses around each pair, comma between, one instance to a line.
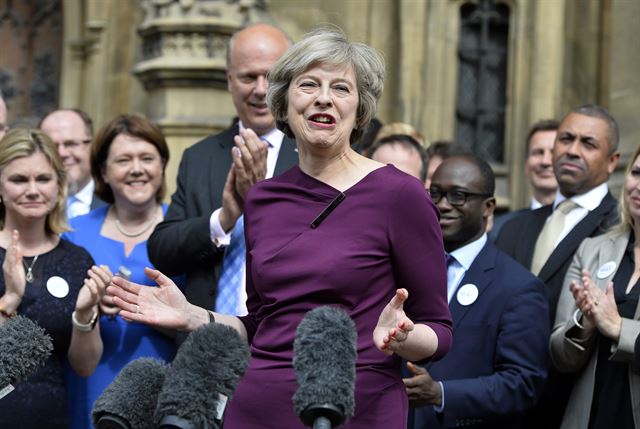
(80,202)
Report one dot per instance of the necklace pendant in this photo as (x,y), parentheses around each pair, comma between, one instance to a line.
(29,276)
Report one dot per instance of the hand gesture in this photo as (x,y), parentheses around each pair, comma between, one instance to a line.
(232,203)
(249,160)
(598,307)
(163,306)
(13,269)
(421,388)
(393,325)
(94,288)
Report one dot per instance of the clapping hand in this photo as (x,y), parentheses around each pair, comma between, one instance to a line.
(393,326)
(599,308)
(94,288)
(13,270)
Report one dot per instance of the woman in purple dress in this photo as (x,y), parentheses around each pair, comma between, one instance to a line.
(378,255)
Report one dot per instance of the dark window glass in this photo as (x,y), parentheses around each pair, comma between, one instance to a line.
(482,54)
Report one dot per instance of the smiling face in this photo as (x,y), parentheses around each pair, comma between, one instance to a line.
(464,223)
(133,170)
(581,154)
(253,53)
(323,102)
(29,188)
(69,133)
(539,165)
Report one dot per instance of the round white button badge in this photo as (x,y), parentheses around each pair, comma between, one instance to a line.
(58,287)
(467,294)
(606,270)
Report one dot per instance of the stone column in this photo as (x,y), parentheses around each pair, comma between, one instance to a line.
(183,67)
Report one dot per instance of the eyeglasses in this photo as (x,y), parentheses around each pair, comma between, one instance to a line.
(455,197)
(73,144)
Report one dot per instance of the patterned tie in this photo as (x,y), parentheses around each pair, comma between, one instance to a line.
(549,235)
(232,271)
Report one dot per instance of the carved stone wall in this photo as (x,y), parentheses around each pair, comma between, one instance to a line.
(30,57)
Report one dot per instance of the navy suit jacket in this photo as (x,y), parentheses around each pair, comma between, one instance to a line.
(181,243)
(497,365)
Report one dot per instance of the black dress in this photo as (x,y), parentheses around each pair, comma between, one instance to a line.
(40,400)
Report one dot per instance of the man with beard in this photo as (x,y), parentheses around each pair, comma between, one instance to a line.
(585,154)
(497,364)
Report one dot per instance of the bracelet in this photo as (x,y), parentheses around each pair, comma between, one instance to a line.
(85,327)
(212,317)
(575,318)
(7,314)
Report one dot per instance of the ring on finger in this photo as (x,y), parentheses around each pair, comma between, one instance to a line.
(137,309)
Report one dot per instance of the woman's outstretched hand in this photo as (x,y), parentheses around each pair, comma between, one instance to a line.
(164,306)
(393,325)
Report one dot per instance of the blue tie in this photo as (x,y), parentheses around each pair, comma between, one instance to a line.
(232,271)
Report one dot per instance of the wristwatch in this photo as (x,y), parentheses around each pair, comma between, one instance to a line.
(85,327)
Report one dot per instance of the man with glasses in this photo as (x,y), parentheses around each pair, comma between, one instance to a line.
(497,364)
(3,117)
(72,132)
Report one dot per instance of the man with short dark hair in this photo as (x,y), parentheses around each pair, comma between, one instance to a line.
(497,364)
(72,131)
(585,154)
(203,221)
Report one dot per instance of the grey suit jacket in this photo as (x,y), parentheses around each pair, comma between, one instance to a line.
(570,354)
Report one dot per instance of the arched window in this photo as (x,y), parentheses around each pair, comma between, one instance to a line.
(482,78)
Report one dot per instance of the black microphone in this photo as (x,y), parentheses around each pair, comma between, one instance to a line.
(327,211)
(203,375)
(24,347)
(130,400)
(324,358)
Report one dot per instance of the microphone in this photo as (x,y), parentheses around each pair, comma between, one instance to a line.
(24,347)
(327,211)
(130,400)
(324,358)
(202,376)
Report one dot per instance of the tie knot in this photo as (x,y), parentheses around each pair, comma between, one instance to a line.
(566,206)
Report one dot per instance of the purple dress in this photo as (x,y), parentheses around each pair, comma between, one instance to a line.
(383,236)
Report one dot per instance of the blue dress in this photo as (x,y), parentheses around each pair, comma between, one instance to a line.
(123,341)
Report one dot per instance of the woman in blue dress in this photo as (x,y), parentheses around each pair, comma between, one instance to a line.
(128,161)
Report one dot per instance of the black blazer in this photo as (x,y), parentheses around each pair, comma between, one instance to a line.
(181,243)
(518,239)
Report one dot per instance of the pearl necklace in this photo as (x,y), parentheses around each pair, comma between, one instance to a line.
(137,233)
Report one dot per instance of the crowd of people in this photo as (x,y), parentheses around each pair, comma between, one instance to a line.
(527,319)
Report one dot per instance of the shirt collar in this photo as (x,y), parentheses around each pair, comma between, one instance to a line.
(589,200)
(535,204)
(466,254)
(85,195)
(273,137)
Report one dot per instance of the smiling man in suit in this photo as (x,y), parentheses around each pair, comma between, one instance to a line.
(215,174)
(496,367)
(585,154)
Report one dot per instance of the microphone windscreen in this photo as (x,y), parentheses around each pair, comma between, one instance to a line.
(324,360)
(130,400)
(206,369)
(24,347)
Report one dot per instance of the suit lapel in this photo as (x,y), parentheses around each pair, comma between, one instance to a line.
(479,274)
(583,229)
(524,251)
(287,157)
(220,158)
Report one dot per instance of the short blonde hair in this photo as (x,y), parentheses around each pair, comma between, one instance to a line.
(626,222)
(328,45)
(23,142)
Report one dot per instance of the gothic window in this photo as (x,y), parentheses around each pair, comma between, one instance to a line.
(482,78)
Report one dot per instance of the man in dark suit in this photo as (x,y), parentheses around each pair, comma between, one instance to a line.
(72,132)
(585,154)
(496,367)
(215,173)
